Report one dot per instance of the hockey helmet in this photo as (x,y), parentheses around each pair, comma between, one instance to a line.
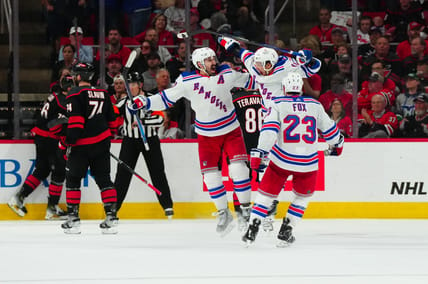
(85,70)
(266,55)
(135,77)
(200,54)
(66,82)
(292,83)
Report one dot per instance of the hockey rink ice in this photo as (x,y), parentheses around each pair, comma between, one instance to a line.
(189,251)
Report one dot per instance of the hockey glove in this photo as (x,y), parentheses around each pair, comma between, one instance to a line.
(258,159)
(65,148)
(228,43)
(304,56)
(336,149)
(137,103)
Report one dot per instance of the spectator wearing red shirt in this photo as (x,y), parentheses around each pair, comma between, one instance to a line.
(115,47)
(164,37)
(343,122)
(201,39)
(324,28)
(404,48)
(377,122)
(377,83)
(337,91)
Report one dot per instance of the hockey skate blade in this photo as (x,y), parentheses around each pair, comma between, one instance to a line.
(283,244)
(20,212)
(228,229)
(72,231)
(109,231)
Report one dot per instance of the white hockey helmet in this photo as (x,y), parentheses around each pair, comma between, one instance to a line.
(200,54)
(292,83)
(265,55)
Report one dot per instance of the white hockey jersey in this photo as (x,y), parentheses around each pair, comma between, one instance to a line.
(271,84)
(290,132)
(209,97)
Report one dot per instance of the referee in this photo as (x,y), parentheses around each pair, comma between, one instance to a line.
(132,145)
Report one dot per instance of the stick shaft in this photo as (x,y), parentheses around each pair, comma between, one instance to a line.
(132,171)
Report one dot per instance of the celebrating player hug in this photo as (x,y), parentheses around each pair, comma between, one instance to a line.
(208,89)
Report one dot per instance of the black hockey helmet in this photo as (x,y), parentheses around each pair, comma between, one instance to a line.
(85,70)
(135,77)
(66,82)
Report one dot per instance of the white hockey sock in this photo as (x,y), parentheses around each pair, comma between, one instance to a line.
(216,189)
(239,173)
(262,204)
(297,209)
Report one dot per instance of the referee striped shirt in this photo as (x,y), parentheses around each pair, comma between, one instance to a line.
(151,122)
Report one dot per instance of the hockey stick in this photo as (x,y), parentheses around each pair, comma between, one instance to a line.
(120,162)
(128,64)
(289,53)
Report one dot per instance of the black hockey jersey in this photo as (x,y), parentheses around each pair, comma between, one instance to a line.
(52,111)
(90,115)
(248,105)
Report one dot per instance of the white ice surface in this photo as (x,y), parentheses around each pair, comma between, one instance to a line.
(189,251)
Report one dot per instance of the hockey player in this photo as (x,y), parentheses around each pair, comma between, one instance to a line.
(208,89)
(49,159)
(268,69)
(132,146)
(90,118)
(290,134)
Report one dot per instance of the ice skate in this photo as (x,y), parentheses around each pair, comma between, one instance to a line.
(54,212)
(242,223)
(72,225)
(285,235)
(245,216)
(267,222)
(16,203)
(169,212)
(109,225)
(251,234)
(225,224)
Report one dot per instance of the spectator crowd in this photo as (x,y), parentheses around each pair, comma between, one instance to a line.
(392,54)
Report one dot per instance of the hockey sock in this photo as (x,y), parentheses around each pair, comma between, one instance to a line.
(236,203)
(30,184)
(55,190)
(297,209)
(108,195)
(261,206)
(214,183)
(241,181)
(73,196)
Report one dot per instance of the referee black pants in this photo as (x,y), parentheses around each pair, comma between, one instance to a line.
(129,154)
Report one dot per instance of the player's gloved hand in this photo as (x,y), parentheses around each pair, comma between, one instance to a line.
(258,159)
(64,147)
(136,104)
(304,56)
(228,43)
(336,149)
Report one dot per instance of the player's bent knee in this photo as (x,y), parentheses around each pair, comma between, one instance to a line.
(238,170)
(72,182)
(103,181)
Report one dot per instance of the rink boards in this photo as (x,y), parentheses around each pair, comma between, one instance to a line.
(372,179)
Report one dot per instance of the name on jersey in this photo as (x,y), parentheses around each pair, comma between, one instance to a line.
(299,107)
(249,101)
(212,99)
(95,95)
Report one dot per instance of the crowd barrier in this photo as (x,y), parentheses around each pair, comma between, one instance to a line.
(374,178)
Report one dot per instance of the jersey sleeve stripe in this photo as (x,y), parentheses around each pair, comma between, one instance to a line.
(270,125)
(76,122)
(331,133)
(168,103)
